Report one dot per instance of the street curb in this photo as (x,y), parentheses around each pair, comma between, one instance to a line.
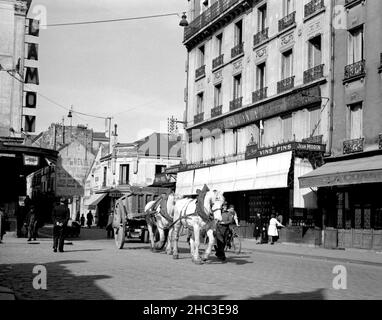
(303,255)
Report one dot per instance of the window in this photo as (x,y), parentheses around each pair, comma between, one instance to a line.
(314,52)
(355,45)
(205,5)
(287,64)
(288,7)
(218,95)
(260,76)
(200,103)
(262,18)
(29,123)
(237,87)
(219,44)
(124,174)
(238,32)
(201,57)
(355,121)
(286,123)
(315,120)
(159,168)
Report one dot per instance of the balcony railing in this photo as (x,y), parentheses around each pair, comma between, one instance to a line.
(351,3)
(285,84)
(198,118)
(355,70)
(287,21)
(260,37)
(353,146)
(200,72)
(314,73)
(259,94)
(313,6)
(236,104)
(208,16)
(217,62)
(216,111)
(237,50)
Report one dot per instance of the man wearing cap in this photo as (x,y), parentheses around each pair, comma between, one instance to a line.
(60,217)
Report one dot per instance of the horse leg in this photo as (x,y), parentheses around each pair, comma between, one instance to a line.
(159,245)
(169,240)
(175,254)
(151,234)
(211,241)
(196,256)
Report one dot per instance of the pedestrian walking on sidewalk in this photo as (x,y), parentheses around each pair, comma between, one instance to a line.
(89,218)
(258,228)
(109,226)
(60,216)
(32,223)
(82,220)
(272,229)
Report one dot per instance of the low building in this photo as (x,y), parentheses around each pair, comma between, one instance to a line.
(130,164)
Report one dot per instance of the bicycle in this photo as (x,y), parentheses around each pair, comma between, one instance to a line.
(233,241)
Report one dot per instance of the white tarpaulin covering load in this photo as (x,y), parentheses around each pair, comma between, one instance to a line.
(184,182)
(94,199)
(272,171)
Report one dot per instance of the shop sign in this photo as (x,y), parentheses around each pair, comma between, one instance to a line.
(31,160)
(254,152)
(115,194)
(7,155)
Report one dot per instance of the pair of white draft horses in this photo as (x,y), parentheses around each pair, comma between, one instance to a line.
(186,212)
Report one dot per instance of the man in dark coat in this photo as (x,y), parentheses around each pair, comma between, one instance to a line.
(32,223)
(258,228)
(222,233)
(60,216)
(89,218)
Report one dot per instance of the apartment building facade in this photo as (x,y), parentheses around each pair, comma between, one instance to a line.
(349,183)
(257,105)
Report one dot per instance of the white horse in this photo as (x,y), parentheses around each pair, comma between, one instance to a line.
(162,222)
(185,214)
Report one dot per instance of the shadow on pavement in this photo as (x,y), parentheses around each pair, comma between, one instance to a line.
(83,250)
(203,297)
(313,295)
(61,283)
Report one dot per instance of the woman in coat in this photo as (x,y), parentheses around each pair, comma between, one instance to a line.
(272,229)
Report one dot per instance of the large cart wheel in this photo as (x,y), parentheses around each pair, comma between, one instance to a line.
(119,236)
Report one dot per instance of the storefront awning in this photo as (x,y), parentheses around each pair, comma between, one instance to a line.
(94,199)
(345,172)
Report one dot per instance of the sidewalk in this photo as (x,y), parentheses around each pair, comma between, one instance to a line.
(358,256)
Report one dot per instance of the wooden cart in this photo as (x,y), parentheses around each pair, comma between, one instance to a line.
(129,214)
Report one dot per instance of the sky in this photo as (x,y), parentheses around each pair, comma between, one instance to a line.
(133,71)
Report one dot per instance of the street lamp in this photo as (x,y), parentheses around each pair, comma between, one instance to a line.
(183,22)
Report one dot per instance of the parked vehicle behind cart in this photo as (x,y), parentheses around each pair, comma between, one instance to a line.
(129,214)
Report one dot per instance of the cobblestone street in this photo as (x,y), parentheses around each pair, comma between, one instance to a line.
(95,269)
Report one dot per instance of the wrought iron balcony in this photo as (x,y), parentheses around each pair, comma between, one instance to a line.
(213,12)
(260,37)
(259,94)
(199,118)
(355,70)
(200,72)
(217,62)
(353,146)
(236,104)
(285,85)
(314,73)
(287,21)
(351,3)
(313,6)
(237,50)
(216,111)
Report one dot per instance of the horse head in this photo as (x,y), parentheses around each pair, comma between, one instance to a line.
(213,203)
